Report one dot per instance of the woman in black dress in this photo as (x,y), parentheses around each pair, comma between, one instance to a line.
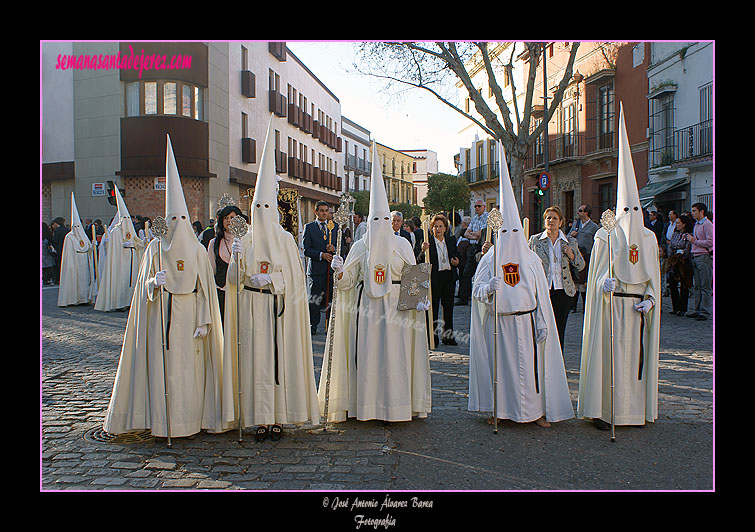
(219,251)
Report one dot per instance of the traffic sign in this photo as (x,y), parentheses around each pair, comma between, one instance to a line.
(544,181)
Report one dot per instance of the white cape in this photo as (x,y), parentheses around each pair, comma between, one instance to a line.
(517,398)
(390,379)
(294,399)
(194,364)
(635,399)
(119,270)
(77,281)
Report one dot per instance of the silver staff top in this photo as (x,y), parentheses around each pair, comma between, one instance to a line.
(238,227)
(159,227)
(608,220)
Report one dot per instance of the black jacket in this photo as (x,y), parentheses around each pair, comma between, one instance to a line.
(314,244)
(452,252)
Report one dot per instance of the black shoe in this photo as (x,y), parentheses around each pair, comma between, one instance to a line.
(700,317)
(261,434)
(692,314)
(276,432)
(600,424)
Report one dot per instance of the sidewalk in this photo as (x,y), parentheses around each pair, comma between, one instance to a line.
(452,449)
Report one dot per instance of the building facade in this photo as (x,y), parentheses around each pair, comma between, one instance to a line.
(398,168)
(424,165)
(680,106)
(477,161)
(215,101)
(357,151)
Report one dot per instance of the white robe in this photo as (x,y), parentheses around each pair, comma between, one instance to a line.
(517,398)
(635,399)
(77,281)
(390,380)
(119,271)
(294,399)
(194,364)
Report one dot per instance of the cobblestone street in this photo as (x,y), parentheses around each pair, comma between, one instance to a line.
(452,449)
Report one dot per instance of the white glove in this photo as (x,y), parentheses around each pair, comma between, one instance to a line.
(128,244)
(258,280)
(644,307)
(609,285)
(337,264)
(104,237)
(236,246)
(201,331)
(541,335)
(494,284)
(160,278)
(423,305)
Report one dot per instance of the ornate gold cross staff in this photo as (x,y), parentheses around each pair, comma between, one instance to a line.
(608,222)
(238,228)
(495,221)
(160,229)
(425,220)
(341,217)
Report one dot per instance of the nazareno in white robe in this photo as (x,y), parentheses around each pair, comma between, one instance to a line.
(120,268)
(635,393)
(77,281)
(518,399)
(293,398)
(194,364)
(381,366)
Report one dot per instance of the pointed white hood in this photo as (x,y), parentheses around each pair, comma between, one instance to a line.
(81,241)
(179,246)
(379,238)
(512,254)
(631,248)
(265,231)
(123,219)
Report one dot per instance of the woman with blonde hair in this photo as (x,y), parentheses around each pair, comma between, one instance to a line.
(558,253)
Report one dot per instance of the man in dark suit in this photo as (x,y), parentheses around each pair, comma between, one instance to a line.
(319,246)
(443,275)
(397,220)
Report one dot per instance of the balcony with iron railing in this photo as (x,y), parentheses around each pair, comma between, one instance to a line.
(352,162)
(683,145)
(560,149)
(485,172)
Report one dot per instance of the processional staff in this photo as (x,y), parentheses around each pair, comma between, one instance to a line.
(608,222)
(160,229)
(341,217)
(495,222)
(425,219)
(238,228)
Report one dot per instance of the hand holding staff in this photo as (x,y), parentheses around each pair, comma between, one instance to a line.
(495,221)
(608,222)
(160,229)
(238,228)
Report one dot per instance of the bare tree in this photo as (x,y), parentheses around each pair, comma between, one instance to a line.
(436,67)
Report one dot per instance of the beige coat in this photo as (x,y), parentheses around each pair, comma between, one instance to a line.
(541,248)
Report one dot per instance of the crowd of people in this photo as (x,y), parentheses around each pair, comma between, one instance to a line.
(223,324)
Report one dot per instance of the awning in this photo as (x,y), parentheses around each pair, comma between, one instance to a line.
(651,190)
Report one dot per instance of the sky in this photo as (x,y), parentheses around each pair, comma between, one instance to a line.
(413,120)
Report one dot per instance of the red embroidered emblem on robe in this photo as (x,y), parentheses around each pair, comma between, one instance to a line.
(510,274)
